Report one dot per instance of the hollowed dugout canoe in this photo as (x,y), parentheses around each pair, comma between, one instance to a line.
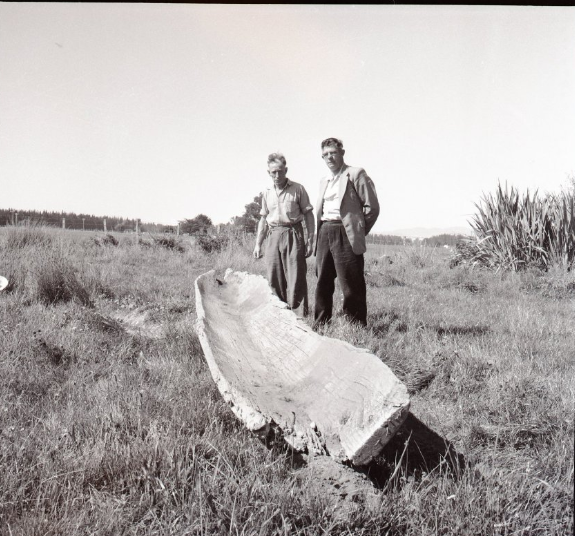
(324,394)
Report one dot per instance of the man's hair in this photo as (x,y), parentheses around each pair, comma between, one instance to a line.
(277,157)
(332,142)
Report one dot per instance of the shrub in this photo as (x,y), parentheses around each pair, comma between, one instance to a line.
(145,243)
(168,242)
(515,232)
(106,240)
(465,251)
(109,240)
(211,244)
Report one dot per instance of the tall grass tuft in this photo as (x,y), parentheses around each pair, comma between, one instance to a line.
(24,237)
(56,281)
(517,231)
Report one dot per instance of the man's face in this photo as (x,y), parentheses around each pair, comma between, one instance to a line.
(277,172)
(333,157)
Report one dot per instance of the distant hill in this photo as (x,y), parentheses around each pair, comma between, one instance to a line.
(427,232)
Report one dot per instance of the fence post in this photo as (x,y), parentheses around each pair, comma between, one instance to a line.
(63,223)
(178,231)
(105,230)
(138,221)
(16,217)
(83,226)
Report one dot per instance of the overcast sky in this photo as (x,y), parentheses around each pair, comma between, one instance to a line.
(162,112)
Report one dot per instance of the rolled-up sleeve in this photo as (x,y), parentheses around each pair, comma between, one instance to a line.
(304,203)
(264,211)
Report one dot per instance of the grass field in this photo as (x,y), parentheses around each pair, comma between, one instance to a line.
(111,424)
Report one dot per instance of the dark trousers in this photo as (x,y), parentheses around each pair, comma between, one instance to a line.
(335,258)
(286,265)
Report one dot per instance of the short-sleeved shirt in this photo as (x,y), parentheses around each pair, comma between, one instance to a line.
(287,207)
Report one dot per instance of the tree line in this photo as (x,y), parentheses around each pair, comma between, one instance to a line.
(200,224)
(71,220)
(248,223)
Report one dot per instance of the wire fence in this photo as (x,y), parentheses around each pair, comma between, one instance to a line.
(56,222)
(114,224)
(66,223)
(107,225)
(82,223)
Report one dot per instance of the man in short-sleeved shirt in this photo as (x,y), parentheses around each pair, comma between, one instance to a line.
(285,205)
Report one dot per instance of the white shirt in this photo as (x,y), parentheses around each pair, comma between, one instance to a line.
(331,199)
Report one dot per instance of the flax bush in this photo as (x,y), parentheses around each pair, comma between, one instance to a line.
(515,231)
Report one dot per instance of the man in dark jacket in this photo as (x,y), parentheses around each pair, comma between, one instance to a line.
(347,209)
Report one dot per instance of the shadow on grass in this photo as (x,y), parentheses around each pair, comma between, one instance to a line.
(413,451)
(274,441)
(475,331)
(382,323)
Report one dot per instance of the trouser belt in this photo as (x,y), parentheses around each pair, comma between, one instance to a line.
(285,226)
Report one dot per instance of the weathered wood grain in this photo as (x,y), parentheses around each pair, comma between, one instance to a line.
(274,370)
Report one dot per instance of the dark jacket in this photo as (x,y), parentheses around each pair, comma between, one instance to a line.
(359,205)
